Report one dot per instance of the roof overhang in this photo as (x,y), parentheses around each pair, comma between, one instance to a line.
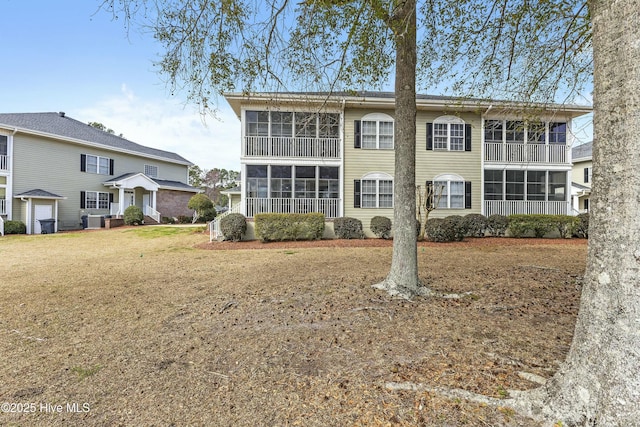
(133,181)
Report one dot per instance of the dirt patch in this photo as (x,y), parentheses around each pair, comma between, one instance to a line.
(147,328)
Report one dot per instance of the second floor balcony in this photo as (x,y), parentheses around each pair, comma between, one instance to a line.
(525,153)
(4,162)
(297,147)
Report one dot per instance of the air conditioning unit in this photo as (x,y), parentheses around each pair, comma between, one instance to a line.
(95,221)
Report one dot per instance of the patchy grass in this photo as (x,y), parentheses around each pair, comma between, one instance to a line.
(161,333)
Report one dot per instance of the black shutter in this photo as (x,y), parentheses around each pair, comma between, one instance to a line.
(429,136)
(586,175)
(467,137)
(467,194)
(110,198)
(83,162)
(82,199)
(111,163)
(356,193)
(356,134)
(430,196)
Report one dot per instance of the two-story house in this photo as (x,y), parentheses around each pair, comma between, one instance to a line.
(55,167)
(581,176)
(314,152)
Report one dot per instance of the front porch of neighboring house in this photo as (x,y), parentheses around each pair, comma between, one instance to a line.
(135,189)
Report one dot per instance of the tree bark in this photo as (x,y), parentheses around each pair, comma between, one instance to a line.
(402,279)
(599,384)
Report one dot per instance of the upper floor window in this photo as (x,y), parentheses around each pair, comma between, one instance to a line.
(151,171)
(374,131)
(3,145)
(374,190)
(289,124)
(449,133)
(96,164)
(558,133)
(521,132)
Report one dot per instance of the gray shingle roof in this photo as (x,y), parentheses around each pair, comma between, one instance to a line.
(583,151)
(38,193)
(65,127)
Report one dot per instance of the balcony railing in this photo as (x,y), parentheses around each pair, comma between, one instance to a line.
(329,207)
(509,207)
(263,146)
(4,162)
(525,153)
(3,206)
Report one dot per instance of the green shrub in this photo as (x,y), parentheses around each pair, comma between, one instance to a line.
(168,220)
(208,215)
(278,227)
(203,207)
(521,225)
(497,225)
(475,225)
(184,219)
(133,215)
(582,226)
(381,226)
(449,229)
(565,224)
(15,227)
(348,228)
(233,226)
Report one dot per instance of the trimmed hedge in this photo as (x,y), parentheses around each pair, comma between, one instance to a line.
(348,228)
(381,226)
(133,215)
(233,226)
(15,227)
(497,225)
(449,229)
(475,225)
(582,226)
(279,227)
(540,225)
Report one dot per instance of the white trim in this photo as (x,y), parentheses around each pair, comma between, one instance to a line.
(377,176)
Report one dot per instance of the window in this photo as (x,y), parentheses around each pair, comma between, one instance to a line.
(374,190)
(151,171)
(515,132)
(257,123)
(95,200)
(96,164)
(374,131)
(3,145)
(329,125)
(536,185)
(515,185)
(257,182)
(306,125)
(281,124)
(557,186)
(536,133)
(305,182)
(452,190)
(493,131)
(281,182)
(328,183)
(448,133)
(558,133)
(493,189)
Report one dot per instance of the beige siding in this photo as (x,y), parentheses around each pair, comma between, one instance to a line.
(429,164)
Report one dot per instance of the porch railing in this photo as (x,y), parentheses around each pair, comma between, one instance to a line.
(4,162)
(149,211)
(215,232)
(264,146)
(525,153)
(510,207)
(115,209)
(3,206)
(329,207)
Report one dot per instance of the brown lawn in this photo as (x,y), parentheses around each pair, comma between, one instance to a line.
(148,326)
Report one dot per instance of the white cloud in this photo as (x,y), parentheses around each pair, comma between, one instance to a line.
(169,125)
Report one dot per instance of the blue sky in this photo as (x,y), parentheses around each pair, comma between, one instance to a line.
(70,56)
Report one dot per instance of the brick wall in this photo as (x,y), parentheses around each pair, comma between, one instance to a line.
(171,203)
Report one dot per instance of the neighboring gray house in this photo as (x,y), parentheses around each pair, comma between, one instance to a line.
(52,166)
(581,176)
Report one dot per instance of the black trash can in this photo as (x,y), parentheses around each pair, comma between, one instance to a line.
(85,221)
(47,226)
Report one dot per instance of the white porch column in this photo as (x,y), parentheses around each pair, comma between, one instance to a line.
(55,215)
(29,217)
(120,201)
(153,200)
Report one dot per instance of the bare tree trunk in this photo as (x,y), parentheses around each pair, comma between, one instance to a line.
(599,384)
(402,279)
